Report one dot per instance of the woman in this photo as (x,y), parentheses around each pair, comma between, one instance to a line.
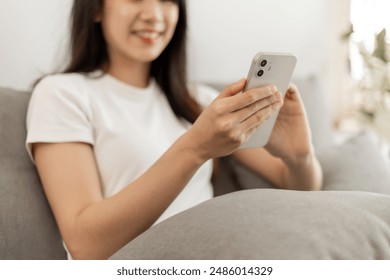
(112,137)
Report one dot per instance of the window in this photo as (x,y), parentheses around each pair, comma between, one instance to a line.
(368,18)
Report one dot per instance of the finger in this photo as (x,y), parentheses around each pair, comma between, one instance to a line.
(260,117)
(249,97)
(250,132)
(232,89)
(253,108)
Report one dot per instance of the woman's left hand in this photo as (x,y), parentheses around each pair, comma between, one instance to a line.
(291,136)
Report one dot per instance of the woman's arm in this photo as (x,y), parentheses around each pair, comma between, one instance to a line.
(301,174)
(95,228)
(288,160)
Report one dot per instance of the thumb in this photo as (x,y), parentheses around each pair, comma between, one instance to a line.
(292,92)
(233,89)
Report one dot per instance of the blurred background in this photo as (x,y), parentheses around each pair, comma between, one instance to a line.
(223,37)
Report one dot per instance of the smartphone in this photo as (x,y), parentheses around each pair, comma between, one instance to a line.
(269,68)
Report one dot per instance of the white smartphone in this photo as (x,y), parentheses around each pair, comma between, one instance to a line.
(269,68)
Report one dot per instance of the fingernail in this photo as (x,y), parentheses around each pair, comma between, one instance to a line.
(274,89)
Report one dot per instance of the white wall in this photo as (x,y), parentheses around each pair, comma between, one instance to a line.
(31,32)
(224,35)
(336,80)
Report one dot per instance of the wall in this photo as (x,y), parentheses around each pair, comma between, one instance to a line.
(224,35)
(31,33)
(336,81)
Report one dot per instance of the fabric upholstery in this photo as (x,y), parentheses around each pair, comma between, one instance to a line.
(27,227)
(356,165)
(272,224)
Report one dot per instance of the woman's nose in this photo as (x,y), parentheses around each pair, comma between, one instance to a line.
(151,10)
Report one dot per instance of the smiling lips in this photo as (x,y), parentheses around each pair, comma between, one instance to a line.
(148,36)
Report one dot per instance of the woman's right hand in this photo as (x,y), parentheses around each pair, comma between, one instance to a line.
(232,118)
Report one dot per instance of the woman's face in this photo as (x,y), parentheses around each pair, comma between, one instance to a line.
(138,30)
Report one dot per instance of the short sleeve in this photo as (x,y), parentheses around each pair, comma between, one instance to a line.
(58,112)
(204,95)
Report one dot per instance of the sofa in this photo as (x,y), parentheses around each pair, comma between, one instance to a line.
(247,219)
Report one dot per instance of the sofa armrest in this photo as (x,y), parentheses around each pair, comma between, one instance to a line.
(272,224)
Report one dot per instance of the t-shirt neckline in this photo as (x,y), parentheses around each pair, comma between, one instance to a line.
(123,87)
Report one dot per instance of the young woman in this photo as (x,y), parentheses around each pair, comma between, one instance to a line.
(121,142)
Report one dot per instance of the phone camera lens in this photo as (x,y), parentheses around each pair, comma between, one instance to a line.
(260,73)
(263,63)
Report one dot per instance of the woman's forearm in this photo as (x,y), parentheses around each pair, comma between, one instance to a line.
(103,228)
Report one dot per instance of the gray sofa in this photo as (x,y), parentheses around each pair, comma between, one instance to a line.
(247,220)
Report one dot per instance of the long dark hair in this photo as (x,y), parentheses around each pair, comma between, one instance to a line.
(89,53)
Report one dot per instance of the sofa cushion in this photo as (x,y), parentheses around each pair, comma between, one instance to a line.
(27,227)
(272,224)
(356,165)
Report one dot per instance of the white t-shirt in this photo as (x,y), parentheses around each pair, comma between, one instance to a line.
(129,128)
